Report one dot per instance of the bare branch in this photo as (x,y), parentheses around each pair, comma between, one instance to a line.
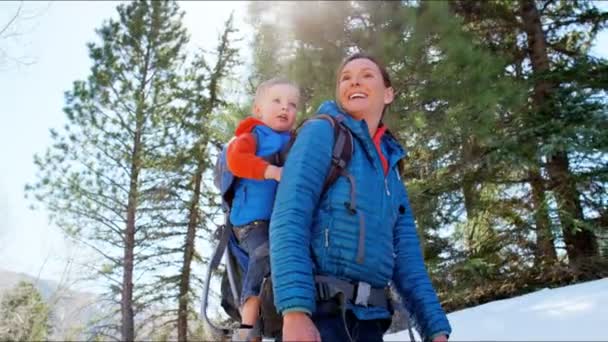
(11,21)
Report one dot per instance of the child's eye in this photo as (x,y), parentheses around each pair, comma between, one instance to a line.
(345,78)
(276,101)
(368,75)
(293,105)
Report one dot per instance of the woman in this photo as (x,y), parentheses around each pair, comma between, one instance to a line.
(334,252)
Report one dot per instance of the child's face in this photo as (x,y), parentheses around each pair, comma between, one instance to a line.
(277,107)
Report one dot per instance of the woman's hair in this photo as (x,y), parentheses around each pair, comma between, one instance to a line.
(361,55)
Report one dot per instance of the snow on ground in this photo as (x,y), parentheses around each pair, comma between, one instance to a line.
(572,313)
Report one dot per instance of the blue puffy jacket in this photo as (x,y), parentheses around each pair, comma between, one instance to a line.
(307,225)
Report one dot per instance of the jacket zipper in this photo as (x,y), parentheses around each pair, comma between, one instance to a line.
(326,237)
(388,192)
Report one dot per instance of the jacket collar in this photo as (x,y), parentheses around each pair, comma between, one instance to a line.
(394,151)
(247,125)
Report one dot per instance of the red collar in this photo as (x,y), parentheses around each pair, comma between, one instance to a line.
(376,139)
(379,134)
(247,125)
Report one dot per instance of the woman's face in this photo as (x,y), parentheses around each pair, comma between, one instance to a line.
(361,89)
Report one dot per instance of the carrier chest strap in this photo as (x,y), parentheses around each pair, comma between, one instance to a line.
(360,293)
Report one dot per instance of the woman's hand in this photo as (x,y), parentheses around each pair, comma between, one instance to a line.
(297,326)
(440,338)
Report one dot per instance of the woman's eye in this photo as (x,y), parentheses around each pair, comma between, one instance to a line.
(276,101)
(368,75)
(345,78)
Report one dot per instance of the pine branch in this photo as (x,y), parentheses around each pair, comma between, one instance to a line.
(11,20)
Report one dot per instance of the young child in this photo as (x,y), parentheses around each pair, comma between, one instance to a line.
(263,134)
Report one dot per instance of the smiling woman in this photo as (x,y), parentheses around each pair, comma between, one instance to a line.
(333,253)
(364,89)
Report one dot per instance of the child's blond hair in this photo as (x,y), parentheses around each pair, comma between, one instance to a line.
(261,89)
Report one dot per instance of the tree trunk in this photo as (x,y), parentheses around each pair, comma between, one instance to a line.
(470,161)
(579,243)
(545,248)
(193,219)
(469,194)
(128,331)
(128,326)
(184,283)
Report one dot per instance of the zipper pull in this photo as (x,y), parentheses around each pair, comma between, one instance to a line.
(386,186)
(326,237)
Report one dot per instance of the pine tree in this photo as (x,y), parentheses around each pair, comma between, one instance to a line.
(24,316)
(560,130)
(579,240)
(201,127)
(455,101)
(187,197)
(94,179)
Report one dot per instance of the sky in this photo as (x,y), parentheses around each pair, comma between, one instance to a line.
(51,48)
(572,313)
(52,43)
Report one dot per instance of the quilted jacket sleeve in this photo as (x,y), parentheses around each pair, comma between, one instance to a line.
(412,280)
(297,197)
(241,158)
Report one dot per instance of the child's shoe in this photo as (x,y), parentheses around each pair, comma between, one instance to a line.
(246,334)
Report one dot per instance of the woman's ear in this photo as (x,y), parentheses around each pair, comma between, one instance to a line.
(389,95)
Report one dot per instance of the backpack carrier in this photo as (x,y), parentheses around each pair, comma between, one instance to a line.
(236,260)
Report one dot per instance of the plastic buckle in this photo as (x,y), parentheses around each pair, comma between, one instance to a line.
(350,208)
(363,292)
(323,291)
(338,161)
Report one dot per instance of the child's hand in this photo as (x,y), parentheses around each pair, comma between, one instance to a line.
(273,172)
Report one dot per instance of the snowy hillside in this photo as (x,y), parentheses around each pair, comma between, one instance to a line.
(572,313)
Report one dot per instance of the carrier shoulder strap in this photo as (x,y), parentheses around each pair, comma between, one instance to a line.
(342,151)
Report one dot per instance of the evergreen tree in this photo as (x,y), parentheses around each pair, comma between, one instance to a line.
(193,132)
(94,179)
(560,143)
(557,104)
(453,101)
(24,316)
(186,164)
